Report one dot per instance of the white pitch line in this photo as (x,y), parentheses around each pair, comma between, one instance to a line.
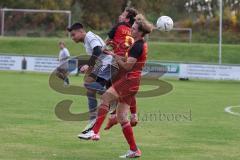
(228,110)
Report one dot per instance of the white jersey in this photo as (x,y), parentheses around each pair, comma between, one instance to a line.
(91,41)
(63,55)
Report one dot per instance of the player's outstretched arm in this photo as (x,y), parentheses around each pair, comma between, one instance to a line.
(128,64)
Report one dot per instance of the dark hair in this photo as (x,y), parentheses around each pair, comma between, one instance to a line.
(75,26)
(131,15)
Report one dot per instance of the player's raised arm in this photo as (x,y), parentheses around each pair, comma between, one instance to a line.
(140,28)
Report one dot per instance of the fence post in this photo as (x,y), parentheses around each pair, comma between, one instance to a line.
(190,35)
(2,22)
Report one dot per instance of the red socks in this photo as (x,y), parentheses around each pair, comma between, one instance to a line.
(102,113)
(128,133)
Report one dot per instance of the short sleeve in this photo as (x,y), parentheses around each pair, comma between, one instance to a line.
(95,42)
(136,50)
(66,52)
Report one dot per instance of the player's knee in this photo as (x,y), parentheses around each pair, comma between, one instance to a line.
(95,86)
(122,118)
(105,99)
(91,93)
(90,89)
(88,79)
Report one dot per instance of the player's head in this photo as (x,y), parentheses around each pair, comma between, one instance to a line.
(141,27)
(128,15)
(77,32)
(61,44)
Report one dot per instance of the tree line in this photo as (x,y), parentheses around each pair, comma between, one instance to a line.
(102,14)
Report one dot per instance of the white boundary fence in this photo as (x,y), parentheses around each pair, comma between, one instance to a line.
(33,63)
(178,70)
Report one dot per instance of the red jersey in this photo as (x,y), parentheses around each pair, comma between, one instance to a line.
(139,51)
(122,39)
(129,81)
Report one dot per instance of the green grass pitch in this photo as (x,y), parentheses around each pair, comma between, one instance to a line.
(184,52)
(29,129)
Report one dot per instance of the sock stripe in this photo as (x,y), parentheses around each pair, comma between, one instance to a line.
(128,133)
(126,124)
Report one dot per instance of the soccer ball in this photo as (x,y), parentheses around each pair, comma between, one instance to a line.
(164,23)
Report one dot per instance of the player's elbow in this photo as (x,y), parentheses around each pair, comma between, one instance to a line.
(128,67)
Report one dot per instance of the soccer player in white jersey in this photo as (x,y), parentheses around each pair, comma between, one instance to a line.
(100,69)
(62,70)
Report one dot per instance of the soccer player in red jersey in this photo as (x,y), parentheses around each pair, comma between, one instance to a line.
(125,88)
(121,40)
(120,35)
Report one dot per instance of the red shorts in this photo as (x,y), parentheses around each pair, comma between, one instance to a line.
(126,89)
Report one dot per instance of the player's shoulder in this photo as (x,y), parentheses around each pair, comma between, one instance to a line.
(139,43)
(92,36)
(93,40)
(65,49)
